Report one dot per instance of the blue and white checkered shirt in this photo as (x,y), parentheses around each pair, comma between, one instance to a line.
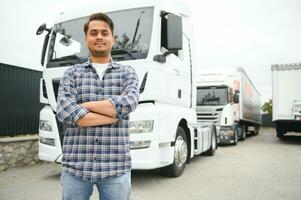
(94,153)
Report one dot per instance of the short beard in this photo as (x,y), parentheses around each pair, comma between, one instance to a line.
(100,53)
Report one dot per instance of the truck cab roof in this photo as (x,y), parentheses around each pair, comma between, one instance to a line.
(179,7)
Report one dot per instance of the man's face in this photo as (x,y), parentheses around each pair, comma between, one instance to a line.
(99,39)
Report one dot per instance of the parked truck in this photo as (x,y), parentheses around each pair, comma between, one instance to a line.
(286,98)
(156,39)
(231,101)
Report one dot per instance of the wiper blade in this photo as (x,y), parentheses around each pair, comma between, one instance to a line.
(124,52)
(209,104)
(66,61)
(71,57)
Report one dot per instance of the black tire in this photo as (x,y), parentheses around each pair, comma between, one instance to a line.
(178,166)
(256,131)
(243,133)
(280,130)
(235,136)
(213,146)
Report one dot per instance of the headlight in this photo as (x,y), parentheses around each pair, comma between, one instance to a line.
(139,144)
(48,141)
(45,125)
(145,126)
(226,130)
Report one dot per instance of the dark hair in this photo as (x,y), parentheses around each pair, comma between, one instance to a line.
(101,17)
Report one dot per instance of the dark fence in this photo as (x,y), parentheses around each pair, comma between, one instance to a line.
(19,100)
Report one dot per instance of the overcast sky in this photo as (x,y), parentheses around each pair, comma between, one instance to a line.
(253,34)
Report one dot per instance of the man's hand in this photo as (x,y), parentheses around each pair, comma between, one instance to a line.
(104,107)
(95,119)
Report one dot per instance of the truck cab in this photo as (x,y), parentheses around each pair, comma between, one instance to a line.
(156,40)
(231,101)
(215,102)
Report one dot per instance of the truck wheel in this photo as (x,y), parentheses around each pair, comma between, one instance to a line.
(256,130)
(213,146)
(236,133)
(243,132)
(280,130)
(180,156)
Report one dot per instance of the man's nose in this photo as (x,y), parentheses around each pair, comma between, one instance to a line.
(99,36)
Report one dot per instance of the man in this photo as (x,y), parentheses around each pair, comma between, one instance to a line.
(95,99)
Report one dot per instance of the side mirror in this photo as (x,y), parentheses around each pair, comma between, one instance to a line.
(160,58)
(236,97)
(174,33)
(171,32)
(171,35)
(42,28)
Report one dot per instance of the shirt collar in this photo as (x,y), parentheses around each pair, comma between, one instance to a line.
(112,63)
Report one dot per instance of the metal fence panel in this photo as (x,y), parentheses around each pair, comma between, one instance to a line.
(19,100)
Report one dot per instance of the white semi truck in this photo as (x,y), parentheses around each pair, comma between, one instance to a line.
(155,38)
(231,101)
(286,98)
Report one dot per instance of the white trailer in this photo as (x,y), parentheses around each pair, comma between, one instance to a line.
(155,38)
(231,101)
(286,98)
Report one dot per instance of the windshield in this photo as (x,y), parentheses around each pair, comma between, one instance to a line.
(212,96)
(132,38)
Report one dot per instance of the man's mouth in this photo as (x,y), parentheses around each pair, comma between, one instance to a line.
(99,44)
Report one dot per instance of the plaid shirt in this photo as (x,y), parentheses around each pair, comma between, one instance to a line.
(98,152)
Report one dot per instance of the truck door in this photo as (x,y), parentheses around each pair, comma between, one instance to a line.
(177,64)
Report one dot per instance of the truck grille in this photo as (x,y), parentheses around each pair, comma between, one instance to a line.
(208,117)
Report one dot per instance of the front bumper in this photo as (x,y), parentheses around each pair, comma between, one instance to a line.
(226,135)
(155,156)
(226,139)
(48,152)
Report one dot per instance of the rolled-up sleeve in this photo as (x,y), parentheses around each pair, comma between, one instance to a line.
(128,100)
(68,111)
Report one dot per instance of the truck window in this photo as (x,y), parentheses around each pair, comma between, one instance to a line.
(132,33)
(212,96)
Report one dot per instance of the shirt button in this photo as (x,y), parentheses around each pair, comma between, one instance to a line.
(96,140)
(94,158)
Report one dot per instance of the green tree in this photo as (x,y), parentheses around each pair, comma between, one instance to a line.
(268,107)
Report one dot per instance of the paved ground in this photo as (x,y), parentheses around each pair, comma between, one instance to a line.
(260,168)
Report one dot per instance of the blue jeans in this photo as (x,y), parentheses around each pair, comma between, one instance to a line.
(117,188)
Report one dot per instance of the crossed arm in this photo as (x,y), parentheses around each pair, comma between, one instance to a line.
(100,113)
(96,113)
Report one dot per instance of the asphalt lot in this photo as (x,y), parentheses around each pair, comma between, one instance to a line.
(262,167)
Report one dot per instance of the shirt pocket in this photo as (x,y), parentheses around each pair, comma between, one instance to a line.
(113,87)
(88,89)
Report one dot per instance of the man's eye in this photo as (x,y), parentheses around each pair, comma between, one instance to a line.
(105,33)
(93,33)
